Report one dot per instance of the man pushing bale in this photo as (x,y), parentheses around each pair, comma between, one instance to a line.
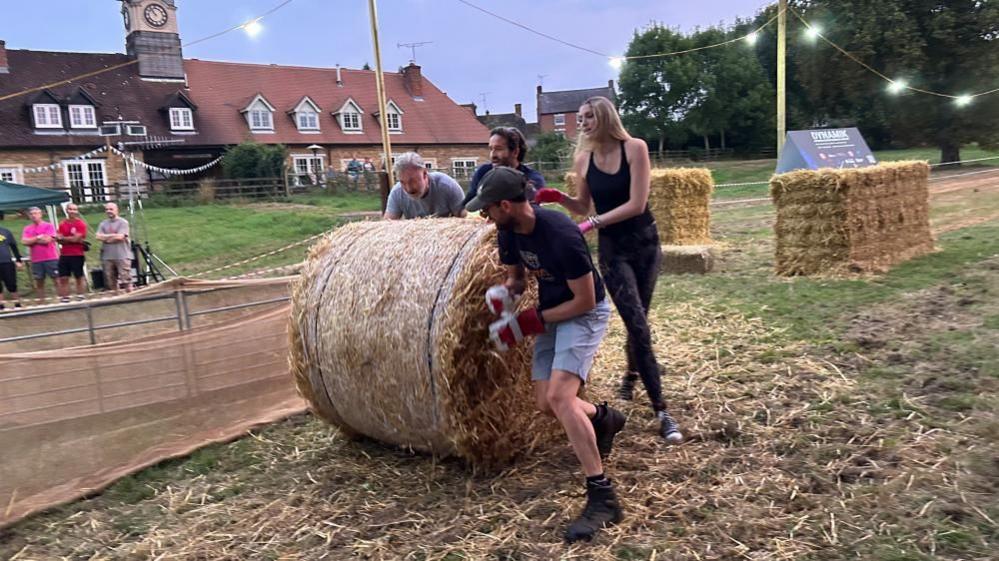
(569,323)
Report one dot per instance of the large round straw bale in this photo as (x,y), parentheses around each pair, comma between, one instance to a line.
(389,340)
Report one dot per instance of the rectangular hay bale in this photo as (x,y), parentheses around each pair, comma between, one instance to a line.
(833,221)
(679,199)
(688,259)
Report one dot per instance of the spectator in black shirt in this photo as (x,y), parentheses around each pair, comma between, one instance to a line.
(569,322)
(10,262)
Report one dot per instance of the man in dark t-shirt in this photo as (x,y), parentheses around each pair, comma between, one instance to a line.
(569,322)
(507,147)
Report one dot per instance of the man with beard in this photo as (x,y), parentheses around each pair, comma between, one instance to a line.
(507,147)
(569,322)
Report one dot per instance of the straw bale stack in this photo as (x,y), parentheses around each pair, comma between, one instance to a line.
(680,200)
(851,220)
(688,259)
(389,340)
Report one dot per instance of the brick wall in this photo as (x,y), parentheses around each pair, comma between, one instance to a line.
(21,159)
(441,155)
(547,123)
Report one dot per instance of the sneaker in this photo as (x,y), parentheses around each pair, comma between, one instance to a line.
(64,300)
(17,305)
(668,429)
(80,297)
(602,509)
(607,428)
(626,391)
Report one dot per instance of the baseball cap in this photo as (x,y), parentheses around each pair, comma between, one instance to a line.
(499,184)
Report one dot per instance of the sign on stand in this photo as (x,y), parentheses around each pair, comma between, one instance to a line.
(824,148)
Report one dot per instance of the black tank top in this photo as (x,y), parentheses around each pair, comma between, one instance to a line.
(611,191)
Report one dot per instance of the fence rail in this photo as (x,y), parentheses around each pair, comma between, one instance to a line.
(182,314)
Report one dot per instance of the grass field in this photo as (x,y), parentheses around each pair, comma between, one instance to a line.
(827,419)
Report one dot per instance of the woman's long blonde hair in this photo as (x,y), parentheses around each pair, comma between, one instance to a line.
(609,127)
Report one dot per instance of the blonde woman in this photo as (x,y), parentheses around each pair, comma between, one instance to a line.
(612,170)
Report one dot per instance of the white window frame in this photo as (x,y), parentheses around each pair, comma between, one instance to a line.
(430,164)
(178,116)
(308,113)
(14,171)
(559,119)
(466,168)
(46,111)
(88,117)
(351,115)
(266,120)
(90,191)
(310,160)
(397,127)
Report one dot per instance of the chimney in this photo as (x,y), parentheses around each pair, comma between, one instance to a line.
(413,80)
(516,109)
(339,78)
(4,69)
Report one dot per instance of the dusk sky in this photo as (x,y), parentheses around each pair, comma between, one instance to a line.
(472,53)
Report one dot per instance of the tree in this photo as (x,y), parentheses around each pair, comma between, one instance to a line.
(948,47)
(738,99)
(251,160)
(658,93)
(551,147)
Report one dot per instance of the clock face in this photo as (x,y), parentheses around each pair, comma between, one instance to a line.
(156,15)
(128,23)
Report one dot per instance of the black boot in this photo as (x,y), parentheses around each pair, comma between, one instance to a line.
(606,424)
(602,509)
(626,390)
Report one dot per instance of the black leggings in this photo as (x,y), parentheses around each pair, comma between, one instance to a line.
(629,263)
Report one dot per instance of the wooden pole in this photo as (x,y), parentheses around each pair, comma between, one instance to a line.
(781,74)
(380,85)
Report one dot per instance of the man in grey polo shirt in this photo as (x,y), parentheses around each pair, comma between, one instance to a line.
(421,193)
(116,253)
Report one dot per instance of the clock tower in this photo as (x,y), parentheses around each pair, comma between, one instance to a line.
(152,37)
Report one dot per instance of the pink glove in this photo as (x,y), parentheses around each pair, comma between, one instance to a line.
(500,300)
(549,196)
(585,226)
(509,330)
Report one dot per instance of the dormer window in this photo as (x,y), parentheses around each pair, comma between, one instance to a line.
(306,115)
(181,119)
(349,117)
(260,115)
(47,116)
(393,117)
(82,117)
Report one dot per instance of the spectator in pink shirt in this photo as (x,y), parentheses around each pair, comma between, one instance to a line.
(40,237)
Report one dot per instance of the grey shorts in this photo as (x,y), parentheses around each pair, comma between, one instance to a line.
(570,345)
(43,269)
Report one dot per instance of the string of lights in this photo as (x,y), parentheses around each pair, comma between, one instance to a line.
(894,85)
(251,26)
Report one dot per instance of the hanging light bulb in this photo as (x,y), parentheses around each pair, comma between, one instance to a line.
(962,100)
(751,38)
(812,32)
(253,28)
(616,62)
(897,86)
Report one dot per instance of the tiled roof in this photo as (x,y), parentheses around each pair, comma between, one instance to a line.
(222,89)
(120,95)
(568,101)
(219,90)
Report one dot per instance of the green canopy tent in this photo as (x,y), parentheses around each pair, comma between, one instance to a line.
(14,196)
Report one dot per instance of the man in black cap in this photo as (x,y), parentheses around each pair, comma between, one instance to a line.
(569,323)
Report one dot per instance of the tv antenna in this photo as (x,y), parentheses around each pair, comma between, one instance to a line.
(412,47)
(485,103)
(541,79)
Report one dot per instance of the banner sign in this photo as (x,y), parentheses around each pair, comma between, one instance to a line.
(825,148)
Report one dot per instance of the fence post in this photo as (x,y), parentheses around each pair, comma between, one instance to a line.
(90,325)
(383,185)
